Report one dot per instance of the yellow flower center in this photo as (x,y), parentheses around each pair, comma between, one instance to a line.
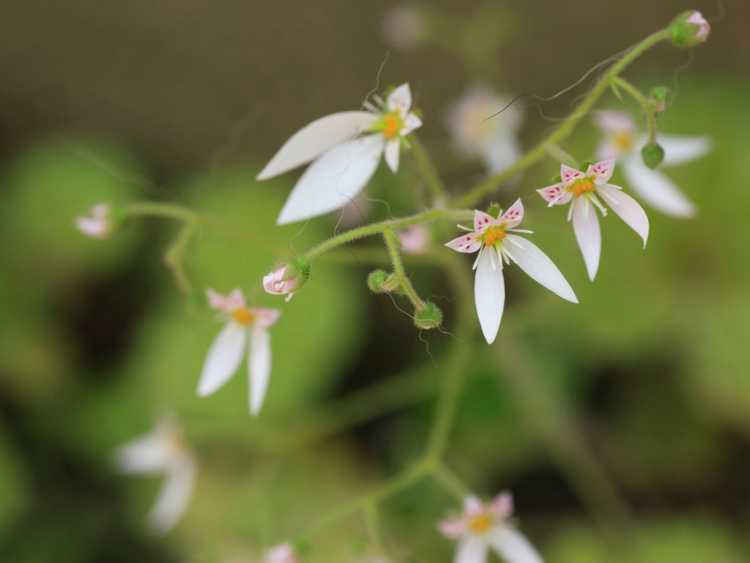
(624,141)
(243,316)
(392,124)
(493,235)
(581,186)
(481,523)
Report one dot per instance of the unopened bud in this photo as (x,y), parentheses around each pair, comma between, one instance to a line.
(380,281)
(689,29)
(428,317)
(289,278)
(100,222)
(652,155)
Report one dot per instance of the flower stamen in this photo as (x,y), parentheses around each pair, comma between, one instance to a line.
(581,186)
(243,316)
(481,523)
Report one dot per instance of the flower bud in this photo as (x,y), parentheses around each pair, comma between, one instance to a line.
(428,317)
(99,223)
(689,29)
(380,281)
(288,278)
(652,155)
(494,209)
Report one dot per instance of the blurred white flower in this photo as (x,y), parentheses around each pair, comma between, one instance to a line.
(482,528)
(98,224)
(624,142)
(346,148)
(404,26)
(494,240)
(162,451)
(584,190)
(283,553)
(245,328)
(415,239)
(494,140)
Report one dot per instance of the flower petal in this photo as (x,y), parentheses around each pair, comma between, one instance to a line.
(512,546)
(392,151)
(614,122)
(567,173)
(265,317)
(473,506)
(259,367)
(555,194)
(315,139)
(603,170)
(514,214)
(657,190)
(588,234)
(471,549)
(628,209)
(453,528)
(400,99)
(501,151)
(223,358)
(467,243)
(538,266)
(483,220)
(334,179)
(411,122)
(174,497)
(502,505)
(489,293)
(146,454)
(682,149)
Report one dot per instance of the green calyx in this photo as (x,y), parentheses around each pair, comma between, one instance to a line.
(380,281)
(652,155)
(686,33)
(428,317)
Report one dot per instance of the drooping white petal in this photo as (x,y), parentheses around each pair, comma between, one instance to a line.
(588,234)
(679,149)
(489,293)
(471,549)
(223,358)
(656,189)
(400,99)
(259,367)
(538,266)
(392,151)
(334,179)
(628,209)
(146,454)
(174,496)
(315,139)
(512,546)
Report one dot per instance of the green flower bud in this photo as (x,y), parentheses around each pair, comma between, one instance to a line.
(689,29)
(494,209)
(428,317)
(380,281)
(652,155)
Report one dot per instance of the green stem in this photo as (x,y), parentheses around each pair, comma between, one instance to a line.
(450,481)
(566,128)
(174,257)
(392,244)
(564,157)
(164,210)
(428,171)
(646,104)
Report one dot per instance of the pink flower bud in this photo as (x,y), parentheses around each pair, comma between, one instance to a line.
(98,224)
(279,283)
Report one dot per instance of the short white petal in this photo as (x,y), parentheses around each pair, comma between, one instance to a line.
(392,151)
(471,549)
(174,497)
(657,190)
(588,234)
(316,138)
(259,367)
(682,149)
(628,209)
(334,179)
(223,358)
(489,294)
(146,454)
(512,546)
(400,99)
(539,267)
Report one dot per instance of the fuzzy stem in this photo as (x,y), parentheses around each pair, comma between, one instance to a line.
(392,244)
(174,257)
(163,210)
(428,171)
(646,105)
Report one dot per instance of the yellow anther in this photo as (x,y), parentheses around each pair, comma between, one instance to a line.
(243,316)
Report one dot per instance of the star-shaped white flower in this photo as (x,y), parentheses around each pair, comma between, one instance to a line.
(495,241)
(583,190)
(245,328)
(283,553)
(98,224)
(162,451)
(623,142)
(346,148)
(482,528)
(492,139)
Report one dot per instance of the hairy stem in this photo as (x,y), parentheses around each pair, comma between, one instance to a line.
(392,244)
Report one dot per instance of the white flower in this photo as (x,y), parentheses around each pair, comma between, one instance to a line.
(485,527)
(404,26)
(584,189)
(346,148)
(477,135)
(245,328)
(415,239)
(98,224)
(162,451)
(283,553)
(495,242)
(623,142)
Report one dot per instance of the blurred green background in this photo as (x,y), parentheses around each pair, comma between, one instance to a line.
(182,101)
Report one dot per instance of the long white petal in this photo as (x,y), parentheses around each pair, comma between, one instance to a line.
(259,367)
(392,151)
(657,190)
(539,267)
(146,454)
(588,234)
(316,138)
(681,149)
(471,550)
(628,209)
(334,179)
(501,151)
(512,546)
(174,497)
(489,293)
(223,358)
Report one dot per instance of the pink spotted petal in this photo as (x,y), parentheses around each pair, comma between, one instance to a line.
(265,317)
(555,194)
(568,174)
(231,302)
(502,506)
(514,214)
(483,220)
(473,506)
(453,528)
(467,243)
(603,170)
